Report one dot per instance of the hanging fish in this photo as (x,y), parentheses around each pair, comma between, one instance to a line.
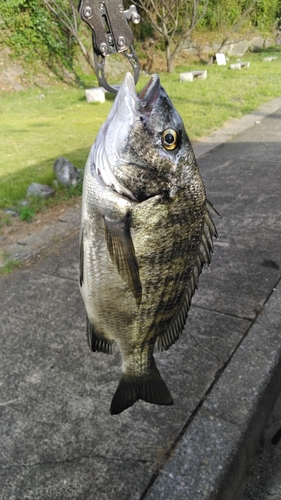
(146,232)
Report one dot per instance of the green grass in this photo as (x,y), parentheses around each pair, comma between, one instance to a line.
(26,213)
(10,266)
(35,130)
(205,105)
(38,126)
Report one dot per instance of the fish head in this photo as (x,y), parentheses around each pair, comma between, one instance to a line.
(142,150)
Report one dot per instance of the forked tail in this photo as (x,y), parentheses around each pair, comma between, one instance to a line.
(150,387)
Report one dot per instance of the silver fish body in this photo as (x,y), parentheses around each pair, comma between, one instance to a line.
(146,232)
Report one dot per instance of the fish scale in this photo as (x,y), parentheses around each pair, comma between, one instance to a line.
(146,232)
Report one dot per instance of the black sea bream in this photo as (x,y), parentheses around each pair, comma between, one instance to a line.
(146,232)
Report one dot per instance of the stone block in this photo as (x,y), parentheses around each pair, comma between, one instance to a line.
(201,75)
(256,44)
(268,42)
(190,75)
(235,48)
(40,190)
(191,51)
(216,47)
(95,95)
(221,59)
(207,49)
(240,65)
(186,77)
(235,66)
(66,173)
(269,59)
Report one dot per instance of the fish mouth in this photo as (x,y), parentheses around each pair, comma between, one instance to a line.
(144,101)
(149,95)
(108,153)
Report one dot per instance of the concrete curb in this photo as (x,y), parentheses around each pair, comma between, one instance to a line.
(234,127)
(210,460)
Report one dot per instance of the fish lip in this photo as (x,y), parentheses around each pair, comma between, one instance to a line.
(149,95)
(144,101)
(126,98)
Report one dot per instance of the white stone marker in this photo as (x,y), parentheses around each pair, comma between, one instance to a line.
(95,95)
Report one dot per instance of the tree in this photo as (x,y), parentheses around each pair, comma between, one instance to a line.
(29,30)
(174,20)
(66,11)
(224,15)
(231,17)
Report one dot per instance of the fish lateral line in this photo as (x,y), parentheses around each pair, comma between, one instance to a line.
(81,258)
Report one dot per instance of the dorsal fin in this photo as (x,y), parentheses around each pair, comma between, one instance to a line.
(168,338)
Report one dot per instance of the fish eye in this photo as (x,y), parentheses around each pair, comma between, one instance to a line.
(170,139)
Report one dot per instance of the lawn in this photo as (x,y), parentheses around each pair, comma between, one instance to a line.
(39,125)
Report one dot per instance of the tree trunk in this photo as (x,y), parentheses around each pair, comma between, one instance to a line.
(169,58)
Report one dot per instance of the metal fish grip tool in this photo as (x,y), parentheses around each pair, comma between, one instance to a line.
(111,33)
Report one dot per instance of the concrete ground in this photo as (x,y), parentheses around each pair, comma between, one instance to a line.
(58,439)
(263,480)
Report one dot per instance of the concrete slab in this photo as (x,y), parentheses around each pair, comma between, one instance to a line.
(55,394)
(263,479)
(211,458)
(189,76)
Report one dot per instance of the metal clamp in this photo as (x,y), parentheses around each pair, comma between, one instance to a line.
(111,34)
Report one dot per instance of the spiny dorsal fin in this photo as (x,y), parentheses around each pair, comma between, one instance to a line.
(168,338)
(122,253)
(211,208)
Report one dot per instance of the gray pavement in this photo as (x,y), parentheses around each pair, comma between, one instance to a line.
(263,480)
(58,440)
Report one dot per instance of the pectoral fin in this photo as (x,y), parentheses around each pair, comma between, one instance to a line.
(122,253)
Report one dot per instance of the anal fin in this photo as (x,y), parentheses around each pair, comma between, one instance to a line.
(97,343)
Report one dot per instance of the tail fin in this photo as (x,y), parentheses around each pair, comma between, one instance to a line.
(150,387)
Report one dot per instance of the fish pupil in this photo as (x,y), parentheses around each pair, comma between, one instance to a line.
(169,138)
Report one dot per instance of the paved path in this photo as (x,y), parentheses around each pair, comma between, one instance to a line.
(58,440)
(263,480)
